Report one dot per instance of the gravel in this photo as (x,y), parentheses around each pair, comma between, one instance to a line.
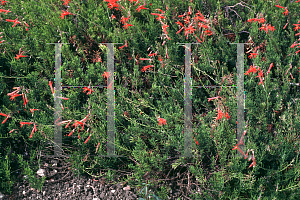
(83,188)
(62,183)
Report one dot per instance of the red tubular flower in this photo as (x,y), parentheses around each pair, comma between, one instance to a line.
(23,123)
(178,23)
(124,19)
(161,61)
(68,124)
(105,74)
(125,45)
(26,24)
(141,7)
(164,27)
(260,74)
(3,2)
(238,148)
(227,115)
(179,30)
(196,141)
(63,122)
(199,13)
(212,98)
(271,65)
(2,114)
(181,15)
(110,86)
(187,20)
(189,30)
(57,120)
(64,14)
(272,28)
(32,110)
(84,120)
(13,93)
(35,128)
(297,27)
(167,52)
(252,54)
(88,89)
(208,32)
(15,21)
(252,20)
(220,114)
(87,139)
(62,106)
(12,130)
(111,4)
(77,123)
(146,59)
(71,132)
(24,99)
(261,20)
(16,91)
(97,146)
(146,67)
(294,44)
(64,98)
(50,84)
(160,16)
(20,55)
(131,1)
(66,2)
(202,25)
(253,163)
(162,121)
(126,25)
(2,10)
(152,54)
(14,96)
(252,69)
(31,133)
(5,119)
(285,12)
(278,6)
(241,142)
(263,28)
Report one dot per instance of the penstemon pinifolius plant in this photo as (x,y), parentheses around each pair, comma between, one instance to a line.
(145,91)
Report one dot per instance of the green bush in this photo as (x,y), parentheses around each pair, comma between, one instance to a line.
(271,109)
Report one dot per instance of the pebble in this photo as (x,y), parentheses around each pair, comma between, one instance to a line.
(1,195)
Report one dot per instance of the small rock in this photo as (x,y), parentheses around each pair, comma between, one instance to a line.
(41,172)
(1,195)
(113,191)
(126,188)
(54,172)
(102,195)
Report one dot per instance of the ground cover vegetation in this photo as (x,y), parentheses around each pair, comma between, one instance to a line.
(149,93)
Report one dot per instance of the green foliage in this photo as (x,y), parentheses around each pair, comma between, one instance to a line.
(6,182)
(272,113)
(30,174)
